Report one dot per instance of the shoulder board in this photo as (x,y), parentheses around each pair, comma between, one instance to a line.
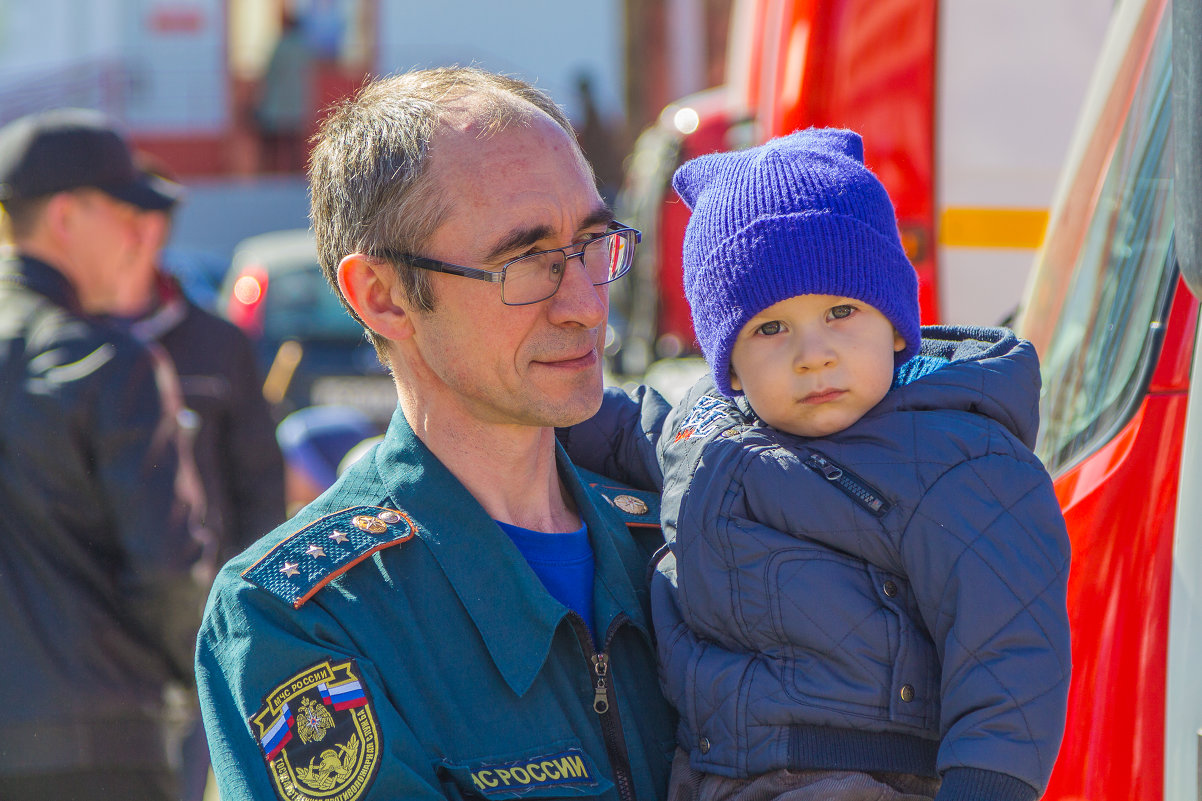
(636,507)
(306,561)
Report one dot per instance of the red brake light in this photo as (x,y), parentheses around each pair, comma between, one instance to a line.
(245,308)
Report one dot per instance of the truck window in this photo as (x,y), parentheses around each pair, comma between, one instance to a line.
(1108,305)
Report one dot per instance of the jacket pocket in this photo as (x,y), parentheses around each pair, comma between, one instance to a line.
(837,641)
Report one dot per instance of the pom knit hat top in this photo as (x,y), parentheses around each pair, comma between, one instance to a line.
(799,215)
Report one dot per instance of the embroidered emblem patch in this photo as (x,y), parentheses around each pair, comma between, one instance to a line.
(565,768)
(319,735)
(704,415)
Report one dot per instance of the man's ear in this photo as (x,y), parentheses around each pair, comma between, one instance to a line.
(373,289)
(57,214)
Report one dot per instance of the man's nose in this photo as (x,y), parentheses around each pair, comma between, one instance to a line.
(578,301)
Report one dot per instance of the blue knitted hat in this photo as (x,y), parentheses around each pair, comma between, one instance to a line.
(800,215)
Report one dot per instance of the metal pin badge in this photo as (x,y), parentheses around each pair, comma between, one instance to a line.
(370,524)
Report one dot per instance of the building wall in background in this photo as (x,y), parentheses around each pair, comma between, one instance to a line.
(158,65)
(546,42)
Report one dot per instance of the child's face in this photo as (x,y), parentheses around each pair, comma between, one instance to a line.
(812,365)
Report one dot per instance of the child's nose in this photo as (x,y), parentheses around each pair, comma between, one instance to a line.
(813,352)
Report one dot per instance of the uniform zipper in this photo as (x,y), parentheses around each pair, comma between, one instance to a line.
(601,691)
(854,487)
(606,709)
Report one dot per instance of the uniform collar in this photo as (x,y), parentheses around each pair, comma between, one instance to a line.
(515,615)
(42,278)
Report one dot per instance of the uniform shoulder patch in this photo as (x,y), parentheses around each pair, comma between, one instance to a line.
(306,561)
(637,507)
(319,734)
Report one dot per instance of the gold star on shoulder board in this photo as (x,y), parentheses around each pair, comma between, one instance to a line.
(338,536)
(315,551)
(289,569)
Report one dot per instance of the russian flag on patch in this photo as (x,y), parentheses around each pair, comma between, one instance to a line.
(275,738)
(343,696)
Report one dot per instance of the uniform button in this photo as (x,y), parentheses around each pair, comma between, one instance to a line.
(704,745)
(907,693)
(890,588)
(631,505)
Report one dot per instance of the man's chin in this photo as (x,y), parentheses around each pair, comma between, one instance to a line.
(577,406)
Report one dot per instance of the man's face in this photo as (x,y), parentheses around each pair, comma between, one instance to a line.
(104,240)
(523,190)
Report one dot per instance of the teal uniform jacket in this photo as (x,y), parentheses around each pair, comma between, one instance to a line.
(391,642)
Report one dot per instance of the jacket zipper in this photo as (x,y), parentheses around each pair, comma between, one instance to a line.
(854,487)
(607,711)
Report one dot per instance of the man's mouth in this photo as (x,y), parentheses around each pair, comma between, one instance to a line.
(577,358)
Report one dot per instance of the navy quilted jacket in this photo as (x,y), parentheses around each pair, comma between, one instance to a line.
(889,598)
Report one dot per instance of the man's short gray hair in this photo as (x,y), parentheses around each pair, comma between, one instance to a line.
(369,173)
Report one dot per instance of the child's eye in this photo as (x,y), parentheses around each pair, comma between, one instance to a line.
(770,328)
(839,312)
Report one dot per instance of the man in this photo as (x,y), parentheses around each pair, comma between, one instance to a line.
(460,615)
(283,111)
(98,607)
(230,431)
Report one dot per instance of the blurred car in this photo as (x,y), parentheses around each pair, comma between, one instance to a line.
(310,349)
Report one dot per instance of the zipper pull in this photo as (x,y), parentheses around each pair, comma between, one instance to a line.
(831,471)
(600,690)
(852,485)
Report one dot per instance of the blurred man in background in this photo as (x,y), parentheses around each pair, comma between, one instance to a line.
(99,603)
(284,106)
(226,419)
(232,429)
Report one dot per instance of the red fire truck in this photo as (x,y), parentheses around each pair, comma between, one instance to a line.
(1112,308)
(965,107)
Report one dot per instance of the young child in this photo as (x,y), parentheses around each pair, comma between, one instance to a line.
(865,595)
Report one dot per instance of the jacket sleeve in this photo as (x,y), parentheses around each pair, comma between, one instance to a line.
(620,440)
(254,464)
(135,452)
(987,555)
(250,643)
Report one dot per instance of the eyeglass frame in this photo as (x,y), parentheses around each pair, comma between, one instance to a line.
(498,276)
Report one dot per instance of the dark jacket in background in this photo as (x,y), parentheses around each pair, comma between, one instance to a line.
(233,433)
(98,604)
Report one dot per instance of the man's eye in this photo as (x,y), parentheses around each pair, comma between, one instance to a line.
(839,312)
(770,328)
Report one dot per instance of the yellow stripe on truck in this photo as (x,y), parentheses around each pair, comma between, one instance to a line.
(992,228)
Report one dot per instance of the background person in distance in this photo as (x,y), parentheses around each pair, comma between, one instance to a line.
(98,605)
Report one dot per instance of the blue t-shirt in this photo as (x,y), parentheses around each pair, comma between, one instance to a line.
(564,564)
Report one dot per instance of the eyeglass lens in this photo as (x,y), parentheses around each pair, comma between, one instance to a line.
(537,276)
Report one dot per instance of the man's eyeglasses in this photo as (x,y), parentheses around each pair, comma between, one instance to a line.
(537,276)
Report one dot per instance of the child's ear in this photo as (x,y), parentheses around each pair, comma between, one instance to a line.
(899,342)
(735,384)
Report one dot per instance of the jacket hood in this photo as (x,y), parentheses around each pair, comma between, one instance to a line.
(986,371)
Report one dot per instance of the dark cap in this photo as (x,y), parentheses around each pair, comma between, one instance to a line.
(63,149)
